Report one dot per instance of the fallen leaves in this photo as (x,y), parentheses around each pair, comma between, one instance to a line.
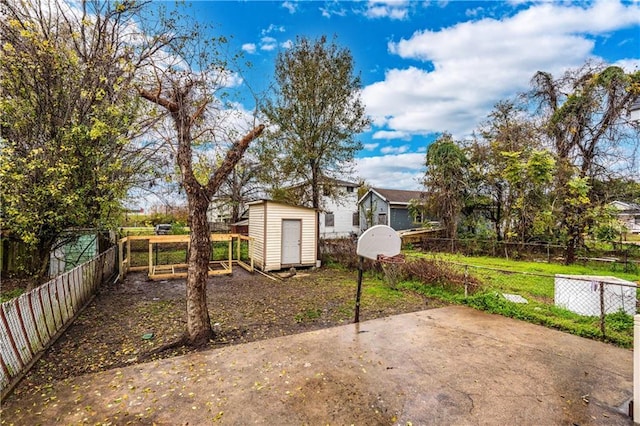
(133,317)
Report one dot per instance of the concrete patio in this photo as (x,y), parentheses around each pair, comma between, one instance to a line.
(452,365)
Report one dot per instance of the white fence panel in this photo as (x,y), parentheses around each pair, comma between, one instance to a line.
(30,322)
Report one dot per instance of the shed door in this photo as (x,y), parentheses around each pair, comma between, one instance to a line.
(291,241)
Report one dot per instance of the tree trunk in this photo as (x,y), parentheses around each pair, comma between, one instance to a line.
(315,195)
(570,251)
(198,323)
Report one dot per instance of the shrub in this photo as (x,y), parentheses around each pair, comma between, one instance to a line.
(343,251)
(433,272)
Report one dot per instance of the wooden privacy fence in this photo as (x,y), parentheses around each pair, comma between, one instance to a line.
(30,323)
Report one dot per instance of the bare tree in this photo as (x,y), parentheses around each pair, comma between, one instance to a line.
(240,187)
(188,84)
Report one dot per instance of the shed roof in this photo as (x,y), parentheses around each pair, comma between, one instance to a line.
(252,203)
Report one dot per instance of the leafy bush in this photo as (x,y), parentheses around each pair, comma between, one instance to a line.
(619,321)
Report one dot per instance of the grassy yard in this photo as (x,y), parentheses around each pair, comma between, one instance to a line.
(176,253)
(532,280)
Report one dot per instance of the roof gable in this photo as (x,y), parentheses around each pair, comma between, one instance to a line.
(398,196)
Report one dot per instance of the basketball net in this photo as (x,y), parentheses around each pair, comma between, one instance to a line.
(391,267)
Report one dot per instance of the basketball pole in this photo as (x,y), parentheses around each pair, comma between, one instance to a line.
(359,291)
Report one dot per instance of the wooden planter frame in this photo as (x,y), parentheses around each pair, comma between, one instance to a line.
(179,270)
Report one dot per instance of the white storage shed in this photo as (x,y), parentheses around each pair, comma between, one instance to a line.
(283,235)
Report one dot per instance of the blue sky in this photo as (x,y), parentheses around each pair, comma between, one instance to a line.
(431,67)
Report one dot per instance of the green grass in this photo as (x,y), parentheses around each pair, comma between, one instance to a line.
(535,282)
(11,294)
(592,268)
(140,230)
(175,255)
(379,289)
(308,315)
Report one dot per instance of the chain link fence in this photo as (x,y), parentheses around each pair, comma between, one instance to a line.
(600,307)
(627,255)
(30,323)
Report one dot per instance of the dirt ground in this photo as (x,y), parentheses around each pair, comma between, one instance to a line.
(130,320)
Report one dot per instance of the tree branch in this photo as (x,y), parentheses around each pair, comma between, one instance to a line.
(234,154)
(200,111)
(155,98)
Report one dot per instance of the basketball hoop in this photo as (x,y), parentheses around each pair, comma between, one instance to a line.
(379,243)
(398,258)
(391,268)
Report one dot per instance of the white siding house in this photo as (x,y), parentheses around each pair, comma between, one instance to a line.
(339,216)
(283,235)
(628,215)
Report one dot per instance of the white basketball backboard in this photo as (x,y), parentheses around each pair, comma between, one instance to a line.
(379,239)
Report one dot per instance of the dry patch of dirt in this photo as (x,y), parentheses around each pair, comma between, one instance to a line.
(130,320)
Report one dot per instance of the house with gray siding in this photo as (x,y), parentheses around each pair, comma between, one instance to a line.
(390,207)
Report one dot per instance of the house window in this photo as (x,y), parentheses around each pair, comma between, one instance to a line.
(382,218)
(350,189)
(329,219)
(356,219)
(418,217)
(637,220)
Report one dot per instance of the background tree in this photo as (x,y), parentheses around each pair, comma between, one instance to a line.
(240,187)
(189,85)
(528,174)
(584,115)
(506,132)
(316,114)
(445,182)
(69,118)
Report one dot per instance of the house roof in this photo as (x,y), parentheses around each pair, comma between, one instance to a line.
(625,207)
(345,183)
(397,196)
(325,179)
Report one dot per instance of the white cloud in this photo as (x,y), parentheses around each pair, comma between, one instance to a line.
(629,65)
(370,146)
(268,43)
(332,8)
(290,6)
(272,29)
(387,134)
(249,47)
(392,9)
(473,64)
(401,171)
(286,44)
(394,149)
